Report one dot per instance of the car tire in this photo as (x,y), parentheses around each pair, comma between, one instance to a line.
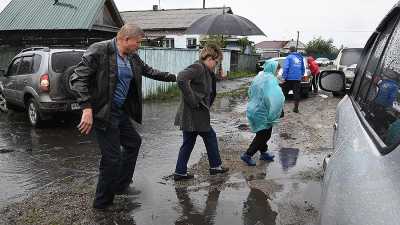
(3,103)
(65,82)
(33,114)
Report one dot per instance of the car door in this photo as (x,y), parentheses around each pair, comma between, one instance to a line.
(360,184)
(24,77)
(10,80)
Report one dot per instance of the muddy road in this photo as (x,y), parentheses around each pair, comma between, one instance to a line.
(48,176)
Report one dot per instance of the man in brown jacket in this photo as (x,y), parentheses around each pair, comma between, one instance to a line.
(198,86)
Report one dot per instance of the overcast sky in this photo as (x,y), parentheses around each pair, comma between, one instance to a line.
(347,22)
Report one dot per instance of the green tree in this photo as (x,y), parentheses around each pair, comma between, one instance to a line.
(246,43)
(213,39)
(319,47)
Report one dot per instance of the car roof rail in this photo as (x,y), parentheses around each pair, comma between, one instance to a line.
(45,49)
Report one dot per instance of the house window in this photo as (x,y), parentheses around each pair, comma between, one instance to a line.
(191,42)
(169,43)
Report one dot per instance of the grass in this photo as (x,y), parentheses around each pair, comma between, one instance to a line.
(241,74)
(172,92)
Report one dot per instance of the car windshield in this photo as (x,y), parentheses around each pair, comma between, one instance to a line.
(62,60)
(350,56)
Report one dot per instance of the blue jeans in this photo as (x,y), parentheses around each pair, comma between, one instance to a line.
(117,164)
(189,140)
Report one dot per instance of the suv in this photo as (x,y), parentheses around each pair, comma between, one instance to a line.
(361,177)
(346,61)
(37,80)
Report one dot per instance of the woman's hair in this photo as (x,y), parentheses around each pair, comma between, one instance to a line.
(210,50)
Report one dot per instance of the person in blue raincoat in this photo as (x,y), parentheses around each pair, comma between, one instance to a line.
(265,106)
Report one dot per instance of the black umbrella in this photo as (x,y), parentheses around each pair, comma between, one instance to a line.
(225,24)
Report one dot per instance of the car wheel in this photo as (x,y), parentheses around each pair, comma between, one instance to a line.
(33,113)
(65,85)
(3,103)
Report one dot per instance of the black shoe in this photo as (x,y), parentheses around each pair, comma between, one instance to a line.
(296,110)
(178,177)
(102,207)
(217,171)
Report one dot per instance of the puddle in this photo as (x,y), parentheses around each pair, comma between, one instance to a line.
(257,196)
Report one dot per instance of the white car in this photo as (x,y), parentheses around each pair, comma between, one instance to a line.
(305,81)
(346,61)
(323,61)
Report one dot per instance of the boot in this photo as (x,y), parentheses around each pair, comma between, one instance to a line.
(296,107)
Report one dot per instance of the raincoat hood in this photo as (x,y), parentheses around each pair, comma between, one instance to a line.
(270,66)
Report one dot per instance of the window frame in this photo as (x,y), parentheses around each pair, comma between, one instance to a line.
(31,66)
(11,64)
(360,109)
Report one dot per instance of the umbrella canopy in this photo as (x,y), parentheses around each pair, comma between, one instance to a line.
(225,24)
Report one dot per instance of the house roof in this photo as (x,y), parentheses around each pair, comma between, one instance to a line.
(170,18)
(279,44)
(271,44)
(60,15)
(293,43)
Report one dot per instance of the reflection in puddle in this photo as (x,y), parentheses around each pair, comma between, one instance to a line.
(288,157)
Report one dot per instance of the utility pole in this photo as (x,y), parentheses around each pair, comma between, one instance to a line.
(297,41)
(204,4)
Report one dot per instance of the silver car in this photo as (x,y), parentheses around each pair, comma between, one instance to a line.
(37,80)
(361,183)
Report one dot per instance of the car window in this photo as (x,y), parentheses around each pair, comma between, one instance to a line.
(350,56)
(364,60)
(62,60)
(14,67)
(26,65)
(37,59)
(373,61)
(382,108)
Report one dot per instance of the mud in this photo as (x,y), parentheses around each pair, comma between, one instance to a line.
(49,175)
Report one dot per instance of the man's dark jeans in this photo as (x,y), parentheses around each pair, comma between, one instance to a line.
(117,164)
(295,86)
(259,142)
(189,140)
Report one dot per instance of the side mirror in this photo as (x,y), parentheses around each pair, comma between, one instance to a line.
(332,80)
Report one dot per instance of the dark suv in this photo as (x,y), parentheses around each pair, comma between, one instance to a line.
(37,80)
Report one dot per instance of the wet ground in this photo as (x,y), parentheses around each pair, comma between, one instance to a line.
(48,176)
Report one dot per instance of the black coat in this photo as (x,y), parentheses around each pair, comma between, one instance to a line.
(95,78)
(198,87)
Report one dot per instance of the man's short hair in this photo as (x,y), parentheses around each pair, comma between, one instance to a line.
(292,48)
(130,30)
(210,50)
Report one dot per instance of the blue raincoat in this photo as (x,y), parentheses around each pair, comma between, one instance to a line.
(266,99)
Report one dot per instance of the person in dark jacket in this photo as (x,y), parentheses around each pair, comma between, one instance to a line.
(293,72)
(314,68)
(108,82)
(198,86)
